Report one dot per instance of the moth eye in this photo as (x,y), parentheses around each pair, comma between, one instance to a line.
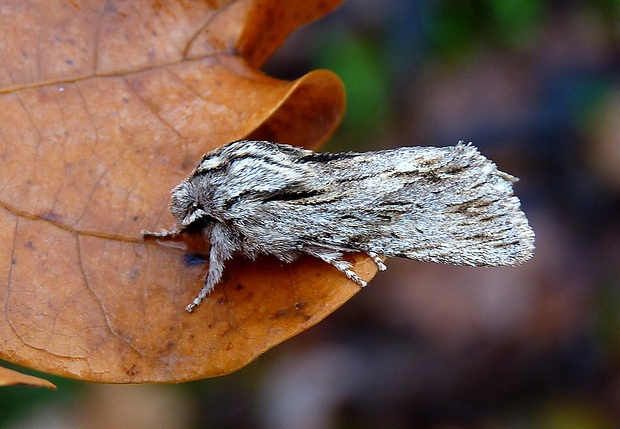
(193,214)
(195,206)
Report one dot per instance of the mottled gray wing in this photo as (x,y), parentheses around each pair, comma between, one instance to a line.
(448,205)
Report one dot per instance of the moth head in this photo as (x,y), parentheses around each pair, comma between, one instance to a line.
(186,206)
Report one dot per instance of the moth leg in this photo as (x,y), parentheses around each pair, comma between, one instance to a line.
(222,247)
(164,234)
(216,269)
(335,259)
(377,260)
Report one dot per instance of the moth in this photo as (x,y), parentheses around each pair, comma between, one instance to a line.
(439,204)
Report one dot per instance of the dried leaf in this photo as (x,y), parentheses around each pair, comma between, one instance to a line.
(9,377)
(104,108)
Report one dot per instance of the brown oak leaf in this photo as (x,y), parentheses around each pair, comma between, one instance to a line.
(105,106)
(9,377)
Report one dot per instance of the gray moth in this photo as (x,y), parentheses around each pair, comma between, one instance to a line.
(449,205)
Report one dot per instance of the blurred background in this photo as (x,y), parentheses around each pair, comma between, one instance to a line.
(536,86)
